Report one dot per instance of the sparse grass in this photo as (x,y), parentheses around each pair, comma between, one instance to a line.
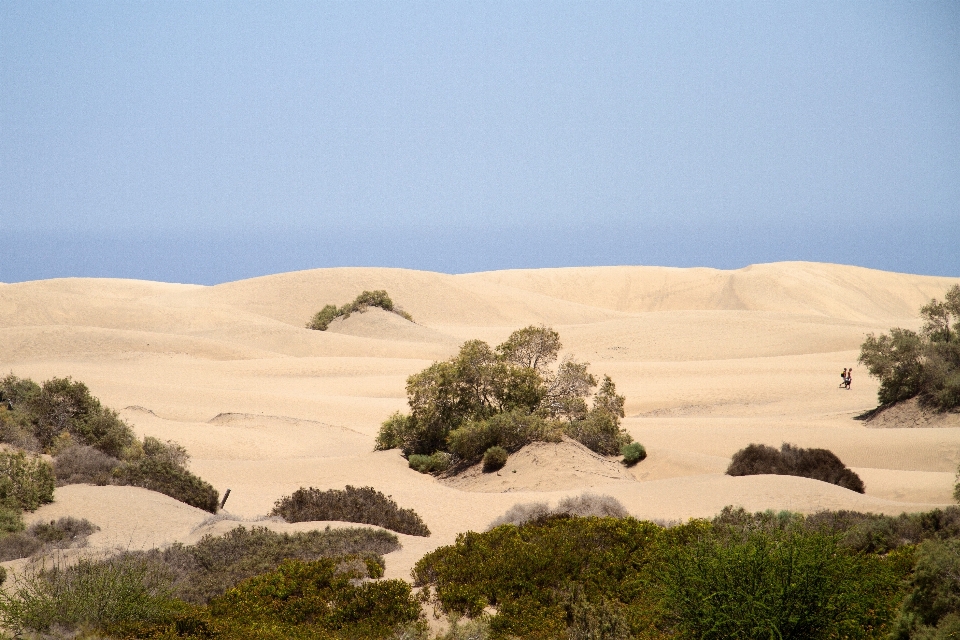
(817,464)
(365,505)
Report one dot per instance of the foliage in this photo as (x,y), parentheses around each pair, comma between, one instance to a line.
(506,397)
(633,453)
(780,583)
(57,534)
(164,476)
(321,321)
(818,464)
(585,505)
(124,589)
(932,606)
(81,464)
(26,482)
(925,365)
(215,564)
(11,520)
(494,458)
(434,463)
(365,505)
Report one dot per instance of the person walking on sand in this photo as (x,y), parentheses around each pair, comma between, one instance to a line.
(843,378)
(849,378)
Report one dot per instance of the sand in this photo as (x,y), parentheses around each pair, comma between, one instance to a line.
(709,360)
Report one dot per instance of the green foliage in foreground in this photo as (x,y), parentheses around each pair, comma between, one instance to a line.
(26,482)
(925,365)
(563,577)
(633,453)
(379,298)
(506,397)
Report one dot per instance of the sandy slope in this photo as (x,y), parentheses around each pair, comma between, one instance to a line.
(709,360)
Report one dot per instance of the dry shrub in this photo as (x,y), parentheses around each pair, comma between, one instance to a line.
(365,505)
(215,564)
(585,505)
(81,464)
(56,534)
(790,460)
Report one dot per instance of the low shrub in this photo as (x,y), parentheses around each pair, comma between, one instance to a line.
(494,459)
(585,505)
(3,575)
(57,534)
(438,461)
(11,520)
(163,476)
(365,505)
(817,464)
(82,464)
(633,453)
(379,298)
(215,564)
(932,606)
(26,482)
(87,594)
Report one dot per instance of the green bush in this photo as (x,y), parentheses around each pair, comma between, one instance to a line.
(600,432)
(57,534)
(163,476)
(510,431)
(633,453)
(932,606)
(494,459)
(215,564)
(321,321)
(365,505)
(25,482)
(11,520)
(781,583)
(434,463)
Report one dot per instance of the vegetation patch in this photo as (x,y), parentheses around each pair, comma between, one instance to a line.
(633,453)
(585,505)
(789,460)
(321,321)
(434,463)
(91,444)
(505,397)
(43,536)
(365,505)
(924,365)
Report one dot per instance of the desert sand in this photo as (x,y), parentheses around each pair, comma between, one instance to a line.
(709,361)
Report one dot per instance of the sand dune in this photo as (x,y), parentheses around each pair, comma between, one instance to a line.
(709,361)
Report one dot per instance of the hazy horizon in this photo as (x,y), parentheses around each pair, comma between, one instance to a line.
(208,143)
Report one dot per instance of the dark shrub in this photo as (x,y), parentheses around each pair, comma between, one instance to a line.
(213,565)
(81,464)
(438,461)
(18,545)
(11,520)
(323,318)
(379,298)
(932,605)
(510,431)
(169,479)
(26,482)
(817,464)
(365,505)
(494,459)
(633,453)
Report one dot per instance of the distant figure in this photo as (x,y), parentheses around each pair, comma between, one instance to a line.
(843,378)
(849,378)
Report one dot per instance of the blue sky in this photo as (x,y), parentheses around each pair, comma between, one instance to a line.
(206,142)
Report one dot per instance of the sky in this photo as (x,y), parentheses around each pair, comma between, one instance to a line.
(206,142)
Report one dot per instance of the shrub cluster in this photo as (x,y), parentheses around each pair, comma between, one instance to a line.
(244,584)
(321,321)
(505,397)
(364,505)
(434,463)
(633,453)
(494,458)
(91,444)
(789,460)
(558,576)
(57,534)
(925,365)
(26,482)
